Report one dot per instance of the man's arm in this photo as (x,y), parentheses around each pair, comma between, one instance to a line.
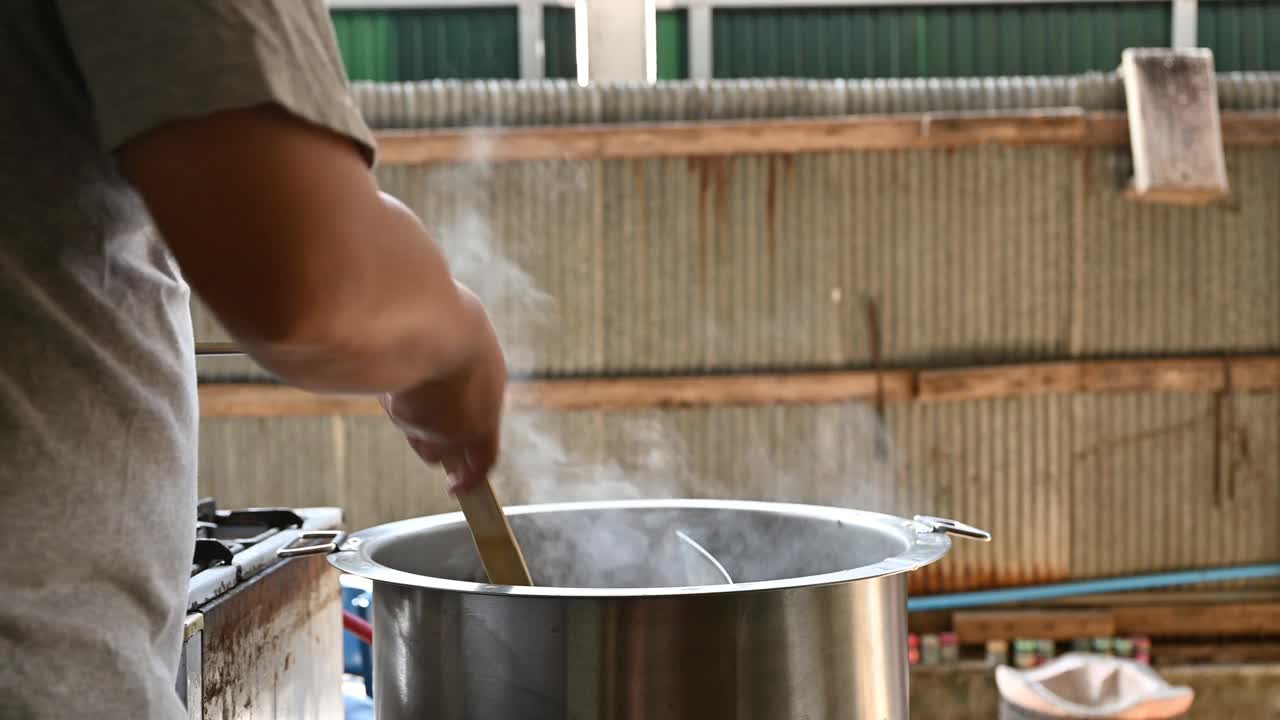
(279,226)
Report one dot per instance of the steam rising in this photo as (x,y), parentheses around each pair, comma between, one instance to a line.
(645,454)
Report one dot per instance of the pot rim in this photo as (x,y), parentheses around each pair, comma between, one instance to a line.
(926,544)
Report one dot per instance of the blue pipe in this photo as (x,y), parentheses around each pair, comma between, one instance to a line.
(1090,587)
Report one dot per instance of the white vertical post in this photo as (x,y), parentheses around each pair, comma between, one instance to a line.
(616,32)
(581,46)
(699,40)
(650,41)
(1184,33)
(533,48)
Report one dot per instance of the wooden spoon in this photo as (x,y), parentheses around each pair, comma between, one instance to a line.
(499,551)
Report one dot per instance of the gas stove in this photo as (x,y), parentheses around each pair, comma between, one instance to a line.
(263,635)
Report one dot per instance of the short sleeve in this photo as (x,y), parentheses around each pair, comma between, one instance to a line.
(147,63)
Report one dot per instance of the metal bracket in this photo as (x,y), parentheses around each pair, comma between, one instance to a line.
(951,527)
(333,539)
(190,679)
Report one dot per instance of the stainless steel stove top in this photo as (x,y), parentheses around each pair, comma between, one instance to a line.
(263,636)
(234,545)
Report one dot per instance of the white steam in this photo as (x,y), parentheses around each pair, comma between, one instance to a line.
(552,457)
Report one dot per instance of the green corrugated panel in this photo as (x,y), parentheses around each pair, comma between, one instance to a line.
(933,41)
(673,44)
(424,44)
(470,43)
(561,59)
(1242,35)
(365,39)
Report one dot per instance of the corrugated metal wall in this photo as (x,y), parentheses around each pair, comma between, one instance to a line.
(559,43)
(365,38)
(1243,35)
(970,255)
(763,262)
(420,44)
(932,41)
(819,42)
(978,255)
(1071,487)
(673,44)
(453,103)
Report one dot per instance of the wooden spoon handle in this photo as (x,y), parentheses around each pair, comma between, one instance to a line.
(499,551)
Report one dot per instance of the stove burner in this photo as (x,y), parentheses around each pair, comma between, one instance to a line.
(220,534)
(210,552)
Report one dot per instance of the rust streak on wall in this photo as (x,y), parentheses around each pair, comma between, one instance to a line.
(701,166)
(721,168)
(770,207)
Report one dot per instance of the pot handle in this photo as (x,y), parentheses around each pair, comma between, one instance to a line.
(333,538)
(952,527)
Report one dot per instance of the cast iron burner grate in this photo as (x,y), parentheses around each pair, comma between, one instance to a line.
(220,534)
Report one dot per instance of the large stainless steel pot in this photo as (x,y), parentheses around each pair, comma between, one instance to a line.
(815,626)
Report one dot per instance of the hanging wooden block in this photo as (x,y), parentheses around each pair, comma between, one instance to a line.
(1174,127)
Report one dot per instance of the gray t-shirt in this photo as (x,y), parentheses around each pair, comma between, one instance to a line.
(97,380)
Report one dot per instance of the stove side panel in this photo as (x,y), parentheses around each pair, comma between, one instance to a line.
(273,646)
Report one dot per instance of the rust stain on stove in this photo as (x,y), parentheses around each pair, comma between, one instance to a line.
(255,631)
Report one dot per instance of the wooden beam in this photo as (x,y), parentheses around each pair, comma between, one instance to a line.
(908,131)
(1216,620)
(1177,620)
(1254,374)
(675,392)
(1202,653)
(1097,376)
(998,381)
(1254,128)
(731,137)
(259,400)
(1153,374)
(975,628)
(1249,374)
(1180,620)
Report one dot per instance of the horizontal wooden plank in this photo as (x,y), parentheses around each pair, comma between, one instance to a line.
(977,627)
(666,392)
(1195,374)
(1159,620)
(260,400)
(1248,374)
(1153,375)
(1253,374)
(1215,620)
(1060,126)
(999,381)
(1255,128)
(685,139)
(1202,653)
(1193,197)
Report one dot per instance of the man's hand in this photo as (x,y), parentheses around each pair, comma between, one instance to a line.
(455,420)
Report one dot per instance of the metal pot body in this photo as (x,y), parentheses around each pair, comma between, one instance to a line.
(832,651)
(632,617)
